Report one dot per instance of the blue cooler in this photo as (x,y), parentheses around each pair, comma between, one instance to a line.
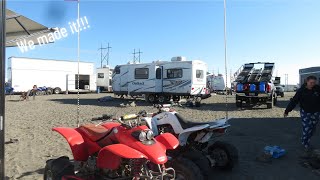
(252,87)
(239,87)
(262,87)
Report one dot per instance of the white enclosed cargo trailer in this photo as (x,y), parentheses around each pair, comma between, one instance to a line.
(216,83)
(161,80)
(104,78)
(60,75)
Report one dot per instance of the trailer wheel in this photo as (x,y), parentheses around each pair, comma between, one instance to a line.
(162,98)
(57,90)
(151,98)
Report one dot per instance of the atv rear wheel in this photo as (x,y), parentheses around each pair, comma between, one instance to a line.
(224,155)
(57,168)
(200,160)
(185,169)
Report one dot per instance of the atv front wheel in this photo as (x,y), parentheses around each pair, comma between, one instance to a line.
(224,155)
(57,168)
(185,169)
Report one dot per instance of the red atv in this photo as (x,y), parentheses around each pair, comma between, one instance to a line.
(118,150)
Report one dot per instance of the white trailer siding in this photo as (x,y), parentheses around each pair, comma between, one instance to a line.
(171,78)
(26,72)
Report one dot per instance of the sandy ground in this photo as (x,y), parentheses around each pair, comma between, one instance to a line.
(31,121)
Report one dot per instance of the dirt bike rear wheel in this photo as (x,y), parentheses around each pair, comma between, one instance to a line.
(185,169)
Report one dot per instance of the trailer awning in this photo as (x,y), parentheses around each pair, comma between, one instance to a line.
(19,27)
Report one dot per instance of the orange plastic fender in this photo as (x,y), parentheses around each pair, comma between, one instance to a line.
(75,141)
(110,156)
(168,140)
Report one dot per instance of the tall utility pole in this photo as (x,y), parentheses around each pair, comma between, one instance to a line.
(135,57)
(2,82)
(139,53)
(104,56)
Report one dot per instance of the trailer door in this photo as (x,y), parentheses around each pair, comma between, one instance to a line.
(159,79)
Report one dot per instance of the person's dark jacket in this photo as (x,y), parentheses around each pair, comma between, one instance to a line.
(309,100)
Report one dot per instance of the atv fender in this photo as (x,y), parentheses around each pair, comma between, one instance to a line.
(110,156)
(183,137)
(168,140)
(75,141)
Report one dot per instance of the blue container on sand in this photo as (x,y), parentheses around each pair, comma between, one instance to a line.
(252,87)
(239,87)
(275,151)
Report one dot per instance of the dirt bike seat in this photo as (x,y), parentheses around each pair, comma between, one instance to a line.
(94,132)
(185,124)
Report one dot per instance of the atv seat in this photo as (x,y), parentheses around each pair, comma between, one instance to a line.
(94,132)
(185,124)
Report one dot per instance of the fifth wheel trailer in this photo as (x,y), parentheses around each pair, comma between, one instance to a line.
(161,80)
(60,75)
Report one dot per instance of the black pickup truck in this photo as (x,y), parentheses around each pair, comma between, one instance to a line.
(254,86)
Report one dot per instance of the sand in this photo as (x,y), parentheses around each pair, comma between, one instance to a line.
(30,122)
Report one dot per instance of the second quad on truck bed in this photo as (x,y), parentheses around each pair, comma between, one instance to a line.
(255,85)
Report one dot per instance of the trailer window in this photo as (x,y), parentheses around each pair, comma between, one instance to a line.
(199,74)
(141,73)
(158,73)
(100,75)
(174,73)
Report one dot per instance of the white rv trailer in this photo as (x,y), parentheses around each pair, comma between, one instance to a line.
(104,78)
(60,75)
(216,83)
(161,80)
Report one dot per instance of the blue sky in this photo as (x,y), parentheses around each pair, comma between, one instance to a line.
(282,31)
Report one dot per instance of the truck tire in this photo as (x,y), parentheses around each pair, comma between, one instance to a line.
(238,104)
(57,90)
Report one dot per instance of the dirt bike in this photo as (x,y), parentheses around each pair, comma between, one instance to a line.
(198,140)
(121,149)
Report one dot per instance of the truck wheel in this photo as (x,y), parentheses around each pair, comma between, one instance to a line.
(282,95)
(185,169)
(57,90)
(57,168)
(151,98)
(162,98)
(238,104)
(275,100)
(224,155)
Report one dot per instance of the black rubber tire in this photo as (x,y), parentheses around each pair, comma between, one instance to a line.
(200,160)
(282,95)
(230,151)
(275,100)
(185,169)
(238,104)
(151,98)
(162,98)
(57,90)
(57,168)
(49,91)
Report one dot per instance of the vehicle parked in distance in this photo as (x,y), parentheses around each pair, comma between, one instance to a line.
(61,75)
(104,79)
(280,91)
(254,85)
(216,83)
(161,80)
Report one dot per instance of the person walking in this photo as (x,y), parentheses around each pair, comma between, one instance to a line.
(308,96)
(34,91)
